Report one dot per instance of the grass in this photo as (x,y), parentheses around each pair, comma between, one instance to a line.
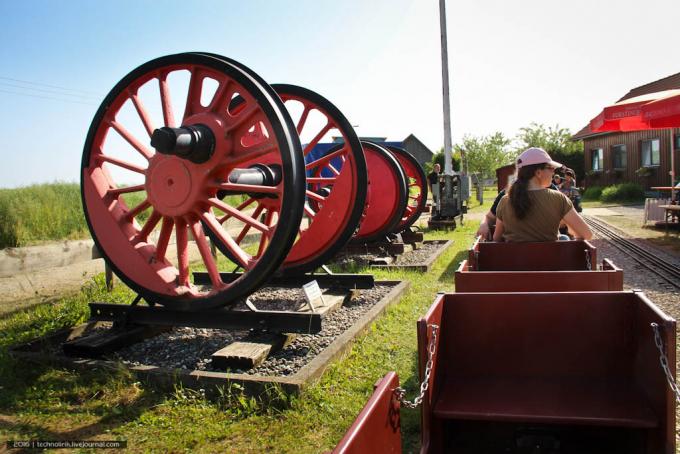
(53,211)
(42,401)
(39,213)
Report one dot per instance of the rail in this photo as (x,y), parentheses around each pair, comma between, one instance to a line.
(662,268)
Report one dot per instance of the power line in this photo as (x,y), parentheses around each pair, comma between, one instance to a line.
(50,86)
(89,97)
(72,101)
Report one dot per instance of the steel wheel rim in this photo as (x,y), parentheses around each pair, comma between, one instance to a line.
(417,187)
(387,194)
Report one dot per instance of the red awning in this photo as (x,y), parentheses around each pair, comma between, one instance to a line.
(650,111)
(663,113)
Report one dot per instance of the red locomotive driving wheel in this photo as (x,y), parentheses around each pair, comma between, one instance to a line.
(417,187)
(201,148)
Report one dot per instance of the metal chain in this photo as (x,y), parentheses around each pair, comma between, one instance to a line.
(589,266)
(400,392)
(664,362)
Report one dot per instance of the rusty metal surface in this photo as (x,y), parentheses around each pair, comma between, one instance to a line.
(543,256)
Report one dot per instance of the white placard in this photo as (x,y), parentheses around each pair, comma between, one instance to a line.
(312,293)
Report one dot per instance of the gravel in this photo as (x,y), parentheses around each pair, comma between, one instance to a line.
(413,257)
(636,276)
(191,348)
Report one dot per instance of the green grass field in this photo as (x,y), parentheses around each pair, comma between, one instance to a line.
(39,213)
(43,402)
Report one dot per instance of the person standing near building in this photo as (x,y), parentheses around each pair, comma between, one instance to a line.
(433,182)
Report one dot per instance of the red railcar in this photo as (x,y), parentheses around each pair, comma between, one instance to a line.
(522,370)
(559,266)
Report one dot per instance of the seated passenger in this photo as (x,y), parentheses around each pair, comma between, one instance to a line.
(532,212)
(486,227)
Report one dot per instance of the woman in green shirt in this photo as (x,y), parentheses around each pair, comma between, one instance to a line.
(530,211)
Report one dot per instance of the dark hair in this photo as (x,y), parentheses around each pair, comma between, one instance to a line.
(519,191)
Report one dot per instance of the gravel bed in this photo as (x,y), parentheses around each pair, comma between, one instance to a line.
(191,348)
(636,276)
(413,257)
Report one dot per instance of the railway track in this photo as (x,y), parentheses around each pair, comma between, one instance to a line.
(657,265)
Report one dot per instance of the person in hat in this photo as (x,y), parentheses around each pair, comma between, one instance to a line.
(557,180)
(532,212)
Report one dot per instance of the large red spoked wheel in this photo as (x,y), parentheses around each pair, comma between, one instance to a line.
(337,180)
(417,187)
(201,148)
(387,194)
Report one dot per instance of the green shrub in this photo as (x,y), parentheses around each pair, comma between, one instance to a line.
(625,192)
(40,212)
(592,193)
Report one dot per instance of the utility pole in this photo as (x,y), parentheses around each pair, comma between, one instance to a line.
(448,165)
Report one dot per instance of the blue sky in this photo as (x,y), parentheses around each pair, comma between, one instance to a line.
(511,62)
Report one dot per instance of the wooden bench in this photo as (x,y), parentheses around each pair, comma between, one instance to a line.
(609,277)
(575,370)
(378,426)
(670,213)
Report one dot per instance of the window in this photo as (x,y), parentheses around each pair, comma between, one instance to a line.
(650,153)
(676,142)
(596,159)
(619,155)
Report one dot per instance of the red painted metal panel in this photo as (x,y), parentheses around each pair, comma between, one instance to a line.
(561,359)
(543,256)
(378,427)
(470,281)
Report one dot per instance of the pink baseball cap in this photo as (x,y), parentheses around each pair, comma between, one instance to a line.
(535,155)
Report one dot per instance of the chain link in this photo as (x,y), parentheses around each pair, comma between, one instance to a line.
(400,393)
(589,266)
(664,362)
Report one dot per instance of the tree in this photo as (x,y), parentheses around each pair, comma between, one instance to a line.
(556,141)
(485,154)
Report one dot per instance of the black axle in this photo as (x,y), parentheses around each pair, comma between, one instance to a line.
(195,142)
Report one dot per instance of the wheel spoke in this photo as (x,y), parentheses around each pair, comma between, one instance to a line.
(120,163)
(143,114)
(166,102)
(326,158)
(217,203)
(251,153)
(164,238)
(315,196)
(328,180)
(303,119)
(222,97)
(244,230)
(239,208)
(133,213)
(333,169)
(182,251)
(118,191)
(309,212)
(264,239)
(193,104)
(129,138)
(318,137)
(251,188)
(149,225)
(413,198)
(242,258)
(207,257)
